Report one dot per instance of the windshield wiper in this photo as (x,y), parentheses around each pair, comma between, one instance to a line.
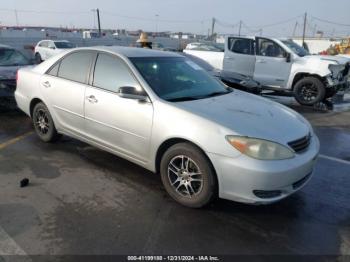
(217,93)
(184,98)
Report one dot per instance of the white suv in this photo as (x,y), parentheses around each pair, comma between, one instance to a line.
(48,48)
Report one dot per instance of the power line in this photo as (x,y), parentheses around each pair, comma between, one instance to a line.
(329,22)
(279,22)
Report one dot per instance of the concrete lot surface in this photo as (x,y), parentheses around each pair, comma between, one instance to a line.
(84,201)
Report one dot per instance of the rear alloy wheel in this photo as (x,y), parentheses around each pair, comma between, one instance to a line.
(43,124)
(309,91)
(188,176)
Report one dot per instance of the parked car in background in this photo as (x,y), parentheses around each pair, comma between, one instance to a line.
(231,79)
(283,66)
(208,52)
(204,138)
(205,46)
(10,61)
(161,47)
(48,48)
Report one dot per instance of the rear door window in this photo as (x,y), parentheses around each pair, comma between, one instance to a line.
(241,45)
(76,66)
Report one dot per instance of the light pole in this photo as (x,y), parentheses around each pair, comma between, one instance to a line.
(157,17)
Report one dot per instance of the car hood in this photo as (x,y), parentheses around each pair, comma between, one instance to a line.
(331,59)
(251,116)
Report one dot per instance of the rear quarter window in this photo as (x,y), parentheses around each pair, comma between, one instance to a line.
(76,66)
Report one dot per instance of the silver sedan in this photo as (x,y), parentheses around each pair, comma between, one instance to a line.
(166,114)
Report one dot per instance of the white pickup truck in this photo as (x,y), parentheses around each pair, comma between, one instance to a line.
(280,65)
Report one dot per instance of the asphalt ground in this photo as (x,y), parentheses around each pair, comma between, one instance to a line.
(83,201)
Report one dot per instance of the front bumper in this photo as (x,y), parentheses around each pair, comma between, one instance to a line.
(241,178)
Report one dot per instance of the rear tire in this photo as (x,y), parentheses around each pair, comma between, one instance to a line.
(38,59)
(309,91)
(43,124)
(188,176)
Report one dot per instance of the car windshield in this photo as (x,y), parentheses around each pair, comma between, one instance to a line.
(178,79)
(64,45)
(11,57)
(297,49)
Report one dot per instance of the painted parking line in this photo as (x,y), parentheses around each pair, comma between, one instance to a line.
(339,160)
(15,140)
(8,246)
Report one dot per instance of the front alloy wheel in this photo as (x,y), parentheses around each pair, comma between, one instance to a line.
(185,176)
(188,175)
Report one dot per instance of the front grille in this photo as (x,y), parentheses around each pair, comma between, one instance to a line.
(301,182)
(300,145)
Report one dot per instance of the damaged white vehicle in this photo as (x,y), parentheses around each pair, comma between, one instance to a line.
(282,66)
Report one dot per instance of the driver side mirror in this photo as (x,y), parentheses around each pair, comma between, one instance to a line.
(288,57)
(130,92)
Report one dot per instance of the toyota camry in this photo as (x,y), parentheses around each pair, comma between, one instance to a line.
(165,113)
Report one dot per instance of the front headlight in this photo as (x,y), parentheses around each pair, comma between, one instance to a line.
(259,148)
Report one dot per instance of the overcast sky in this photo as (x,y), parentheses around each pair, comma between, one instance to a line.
(182,15)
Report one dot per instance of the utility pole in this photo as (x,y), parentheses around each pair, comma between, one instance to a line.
(213,27)
(304,30)
(240,27)
(98,22)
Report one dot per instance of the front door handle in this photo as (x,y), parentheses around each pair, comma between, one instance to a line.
(92,99)
(261,61)
(46,84)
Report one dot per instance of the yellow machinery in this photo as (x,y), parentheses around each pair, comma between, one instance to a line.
(342,48)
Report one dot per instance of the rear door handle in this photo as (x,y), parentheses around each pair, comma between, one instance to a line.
(92,99)
(46,84)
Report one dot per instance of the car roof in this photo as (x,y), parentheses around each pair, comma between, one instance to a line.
(132,51)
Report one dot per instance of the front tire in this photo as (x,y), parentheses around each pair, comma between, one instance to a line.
(188,176)
(309,91)
(43,124)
